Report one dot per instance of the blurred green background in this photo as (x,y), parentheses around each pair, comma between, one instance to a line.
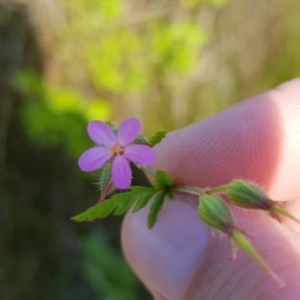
(65,62)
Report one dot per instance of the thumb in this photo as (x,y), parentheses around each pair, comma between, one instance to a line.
(180,259)
(165,256)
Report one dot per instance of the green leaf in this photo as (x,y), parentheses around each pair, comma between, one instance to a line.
(123,204)
(117,204)
(144,199)
(157,137)
(158,201)
(163,180)
(214,212)
(102,210)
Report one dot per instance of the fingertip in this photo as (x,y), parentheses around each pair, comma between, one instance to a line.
(257,140)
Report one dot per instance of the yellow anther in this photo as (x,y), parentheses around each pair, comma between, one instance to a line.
(117,149)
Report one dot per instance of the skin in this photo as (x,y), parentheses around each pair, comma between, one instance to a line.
(180,257)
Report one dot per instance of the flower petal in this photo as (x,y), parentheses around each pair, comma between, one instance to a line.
(121,172)
(128,131)
(140,154)
(94,158)
(101,133)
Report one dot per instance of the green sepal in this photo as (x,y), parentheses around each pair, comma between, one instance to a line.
(247,195)
(141,139)
(118,204)
(105,175)
(157,137)
(158,201)
(106,185)
(214,212)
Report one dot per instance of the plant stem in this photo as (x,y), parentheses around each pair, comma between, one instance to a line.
(216,190)
(147,170)
(201,192)
(190,190)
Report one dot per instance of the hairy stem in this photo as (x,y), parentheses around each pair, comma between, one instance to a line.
(148,170)
(216,190)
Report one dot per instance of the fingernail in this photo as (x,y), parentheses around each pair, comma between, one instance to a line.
(165,256)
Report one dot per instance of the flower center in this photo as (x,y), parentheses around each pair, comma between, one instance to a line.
(117,149)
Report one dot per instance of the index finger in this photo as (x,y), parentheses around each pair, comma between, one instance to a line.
(257,140)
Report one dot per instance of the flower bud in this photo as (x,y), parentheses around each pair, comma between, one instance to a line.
(105,183)
(248,195)
(215,213)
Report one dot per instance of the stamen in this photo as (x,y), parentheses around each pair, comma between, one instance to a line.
(117,149)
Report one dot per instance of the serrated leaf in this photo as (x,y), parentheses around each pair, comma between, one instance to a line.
(158,201)
(100,210)
(157,137)
(163,180)
(123,205)
(129,197)
(117,204)
(143,200)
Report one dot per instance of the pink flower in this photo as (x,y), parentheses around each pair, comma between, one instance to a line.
(116,147)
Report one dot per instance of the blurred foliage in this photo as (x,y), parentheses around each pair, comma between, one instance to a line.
(54,117)
(109,275)
(121,55)
(130,52)
(62,63)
